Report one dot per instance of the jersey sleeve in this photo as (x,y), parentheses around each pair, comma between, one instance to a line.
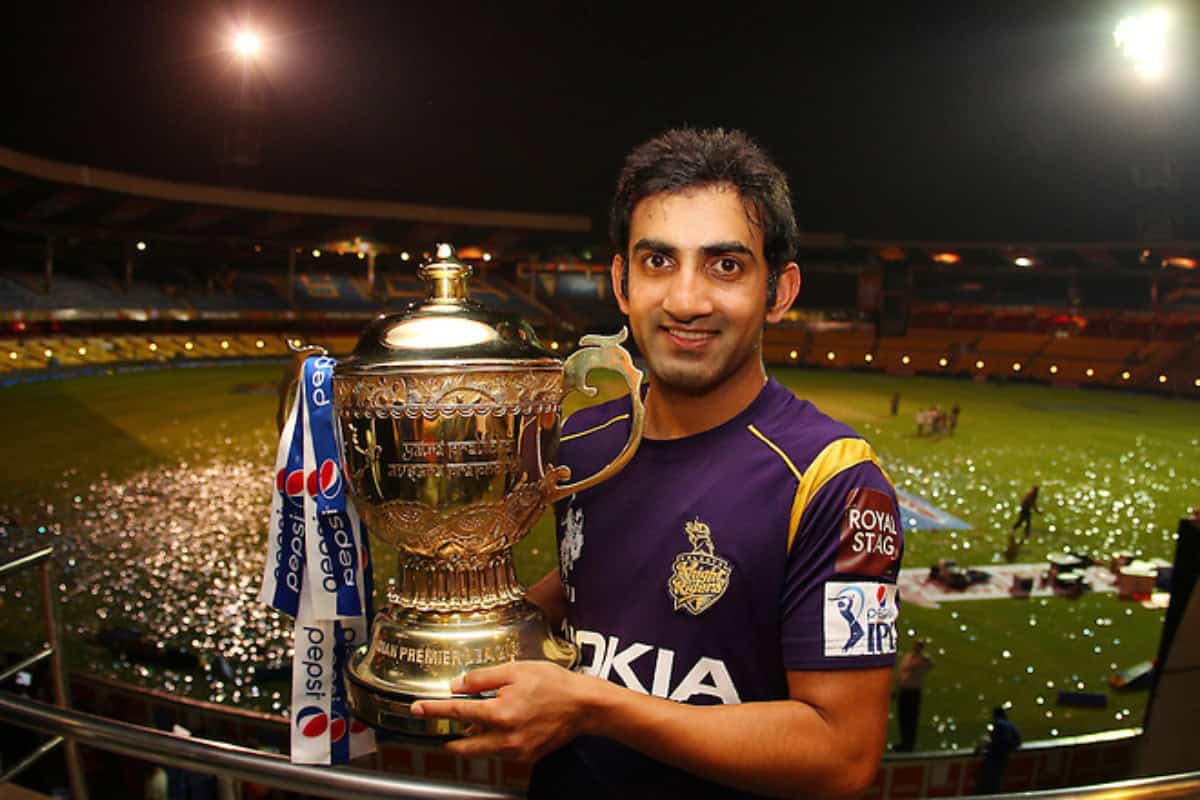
(840,606)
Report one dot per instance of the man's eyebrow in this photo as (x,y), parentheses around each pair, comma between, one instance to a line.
(710,249)
(657,245)
(733,246)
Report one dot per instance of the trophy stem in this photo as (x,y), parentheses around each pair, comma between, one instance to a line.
(427,584)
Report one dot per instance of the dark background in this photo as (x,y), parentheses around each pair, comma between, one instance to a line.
(991,120)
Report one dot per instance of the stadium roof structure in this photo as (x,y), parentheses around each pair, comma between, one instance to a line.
(46,198)
(51,198)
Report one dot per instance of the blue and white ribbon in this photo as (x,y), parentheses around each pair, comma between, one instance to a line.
(318,570)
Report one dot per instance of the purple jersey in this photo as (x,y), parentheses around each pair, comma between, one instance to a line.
(714,564)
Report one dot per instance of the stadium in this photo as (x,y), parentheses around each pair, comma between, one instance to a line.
(148,329)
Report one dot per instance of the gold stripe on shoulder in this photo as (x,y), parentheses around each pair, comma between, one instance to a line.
(837,457)
(774,447)
(599,427)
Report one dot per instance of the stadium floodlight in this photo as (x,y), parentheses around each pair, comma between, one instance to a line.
(247,44)
(141,246)
(905,360)
(487,256)
(1054,369)
(1023,261)
(1016,366)
(942,361)
(1143,40)
(1125,375)
(868,358)
(1162,378)
(793,355)
(831,355)
(978,365)
(316,253)
(404,256)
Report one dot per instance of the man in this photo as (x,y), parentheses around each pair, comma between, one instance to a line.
(910,681)
(1004,739)
(1025,515)
(732,590)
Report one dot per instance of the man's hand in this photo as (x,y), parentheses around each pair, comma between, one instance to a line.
(538,708)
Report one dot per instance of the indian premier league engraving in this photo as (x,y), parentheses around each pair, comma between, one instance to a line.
(450,417)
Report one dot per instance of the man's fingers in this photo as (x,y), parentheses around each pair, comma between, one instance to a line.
(464,710)
(490,743)
(484,679)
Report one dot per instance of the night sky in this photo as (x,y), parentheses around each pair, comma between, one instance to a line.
(991,120)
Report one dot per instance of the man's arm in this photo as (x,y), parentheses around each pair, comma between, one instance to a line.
(548,595)
(824,742)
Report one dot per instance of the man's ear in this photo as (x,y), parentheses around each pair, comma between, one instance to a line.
(786,289)
(620,284)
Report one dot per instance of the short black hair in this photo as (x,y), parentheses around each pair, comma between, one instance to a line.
(687,158)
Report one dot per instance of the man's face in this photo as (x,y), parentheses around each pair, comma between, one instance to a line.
(697,288)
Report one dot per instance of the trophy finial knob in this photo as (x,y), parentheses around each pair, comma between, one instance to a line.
(445,276)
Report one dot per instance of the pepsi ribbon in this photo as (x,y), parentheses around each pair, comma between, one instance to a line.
(284,569)
(318,570)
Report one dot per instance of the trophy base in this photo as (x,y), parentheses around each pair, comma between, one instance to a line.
(414,655)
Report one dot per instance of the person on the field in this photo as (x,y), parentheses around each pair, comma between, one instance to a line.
(732,590)
(1025,514)
(909,682)
(1003,740)
(954,417)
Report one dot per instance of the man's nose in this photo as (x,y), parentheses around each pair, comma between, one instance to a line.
(687,295)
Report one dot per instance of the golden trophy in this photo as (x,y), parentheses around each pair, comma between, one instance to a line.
(450,417)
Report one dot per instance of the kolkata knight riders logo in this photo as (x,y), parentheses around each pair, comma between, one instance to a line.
(699,576)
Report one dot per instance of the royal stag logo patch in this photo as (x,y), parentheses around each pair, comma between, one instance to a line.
(699,576)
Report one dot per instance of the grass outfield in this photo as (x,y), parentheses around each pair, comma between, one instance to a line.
(1117,472)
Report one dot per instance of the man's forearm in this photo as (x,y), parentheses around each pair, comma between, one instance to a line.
(547,594)
(785,747)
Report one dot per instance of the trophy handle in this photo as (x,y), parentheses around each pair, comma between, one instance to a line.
(603,352)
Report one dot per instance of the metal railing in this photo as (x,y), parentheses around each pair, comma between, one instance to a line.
(230,763)
(1162,787)
(58,684)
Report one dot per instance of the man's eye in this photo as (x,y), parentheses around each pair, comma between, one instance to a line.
(727,266)
(656,261)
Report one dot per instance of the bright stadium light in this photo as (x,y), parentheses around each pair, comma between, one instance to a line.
(793,355)
(1016,366)
(1023,261)
(141,246)
(1143,40)
(247,44)
(1054,369)
(404,256)
(978,365)
(943,361)
(831,355)
(868,358)
(1090,372)
(1125,375)
(1162,378)
(905,360)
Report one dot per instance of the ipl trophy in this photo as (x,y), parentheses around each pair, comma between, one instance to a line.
(449,418)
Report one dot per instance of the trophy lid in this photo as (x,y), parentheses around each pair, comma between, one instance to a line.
(446,328)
